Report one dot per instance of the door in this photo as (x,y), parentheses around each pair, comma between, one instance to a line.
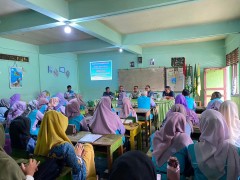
(215,79)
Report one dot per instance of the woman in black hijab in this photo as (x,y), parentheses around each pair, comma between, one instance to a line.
(134,165)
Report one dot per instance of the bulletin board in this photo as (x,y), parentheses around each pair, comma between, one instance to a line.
(175,78)
(155,77)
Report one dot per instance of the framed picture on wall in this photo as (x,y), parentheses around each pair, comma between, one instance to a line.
(62,69)
(16,75)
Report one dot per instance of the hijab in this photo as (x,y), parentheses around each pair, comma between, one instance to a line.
(14,98)
(215,105)
(51,133)
(73,109)
(42,101)
(80,100)
(16,110)
(171,138)
(53,103)
(127,109)
(134,165)
(9,169)
(229,110)
(191,115)
(104,121)
(120,98)
(5,103)
(62,100)
(20,132)
(213,151)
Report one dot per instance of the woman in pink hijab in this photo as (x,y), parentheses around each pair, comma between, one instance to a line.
(104,121)
(127,109)
(171,140)
(54,105)
(214,157)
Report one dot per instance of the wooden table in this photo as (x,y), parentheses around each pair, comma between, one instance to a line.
(107,144)
(134,130)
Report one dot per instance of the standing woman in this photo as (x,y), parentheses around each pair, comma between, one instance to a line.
(73,113)
(229,110)
(214,157)
(53,142)
(171,140)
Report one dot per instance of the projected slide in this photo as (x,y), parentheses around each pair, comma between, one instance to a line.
(101,70)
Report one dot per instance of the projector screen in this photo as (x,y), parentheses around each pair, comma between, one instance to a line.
(101,70)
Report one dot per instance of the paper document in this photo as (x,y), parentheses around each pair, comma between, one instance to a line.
(89,138)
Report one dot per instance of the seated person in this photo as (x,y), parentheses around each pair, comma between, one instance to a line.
(43,105)
(54,104)
(104,121)
(215,105)
(4,107)
(53,142)
(171,140)
(14,98)
(127,109)
(214,157)
(80,101)
(73,113)
(216,96)
(168,93)
(229,110)
(145,102)
(124,168)
(120,98)
(44,94)
(34,115)
(121,89)
(108,93)
(69,94)
(149,92)
(136,93)
(20,135)
(9,169)
(190,101)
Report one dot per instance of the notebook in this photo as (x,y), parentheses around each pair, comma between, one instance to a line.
(89,138)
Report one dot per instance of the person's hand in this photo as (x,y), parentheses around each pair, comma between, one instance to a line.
(30,168)
(79,149)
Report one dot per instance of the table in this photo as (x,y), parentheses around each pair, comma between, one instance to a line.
(107,144)
(134,130)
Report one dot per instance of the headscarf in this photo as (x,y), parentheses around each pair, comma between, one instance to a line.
(62,100)
(9,169)
(14,98)
(80,100)
(120,98)
(72,109)
(213,151)
(5,103)
(191,115)
(229,110)
(104,121)
(32,105)
(51,133)
(127,109)
(16,110)
(42,95)
(215,105)
(42,101)
(125,167)
(171,138)
(53,103)
(20,132)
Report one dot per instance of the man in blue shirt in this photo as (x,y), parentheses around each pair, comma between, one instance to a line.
(70,93)
(168,93)
(108,93)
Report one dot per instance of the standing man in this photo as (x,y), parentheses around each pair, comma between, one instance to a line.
(136,93)
(69,94)
(168,93)
(108,93)
(149,92)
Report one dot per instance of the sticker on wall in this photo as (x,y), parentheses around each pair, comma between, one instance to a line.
(67,74)
(62,69)
(50,69)
(55,73)
(16,75)
(151,62)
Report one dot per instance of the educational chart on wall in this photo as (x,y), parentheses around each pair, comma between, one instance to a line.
(16,75)
(175,78)
(101,70)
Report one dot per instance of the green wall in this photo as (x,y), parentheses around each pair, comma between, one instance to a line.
(35,77)
(208,54)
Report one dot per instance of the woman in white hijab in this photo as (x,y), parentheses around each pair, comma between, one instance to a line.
(229,110)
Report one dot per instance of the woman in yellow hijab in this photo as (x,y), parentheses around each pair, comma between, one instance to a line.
(53,142)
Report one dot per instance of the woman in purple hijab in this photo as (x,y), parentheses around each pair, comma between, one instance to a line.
(191,115)
(16,110)
(104,121)
(14,98)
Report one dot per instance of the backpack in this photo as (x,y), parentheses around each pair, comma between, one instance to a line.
(49,169)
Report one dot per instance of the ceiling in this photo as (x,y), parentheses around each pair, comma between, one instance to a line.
(132,25)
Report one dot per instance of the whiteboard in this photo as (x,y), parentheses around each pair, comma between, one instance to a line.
(175,78)
(154,77)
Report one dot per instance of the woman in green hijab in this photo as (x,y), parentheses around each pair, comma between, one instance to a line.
(9,169)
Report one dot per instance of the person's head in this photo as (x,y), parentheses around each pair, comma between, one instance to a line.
(135,89)
(14,98)
(180,99)
(125,166)
(69,87)
(216,105)
(216,95)
(17,109)
(107,89)
(5,103)
(167,89)
(144,93)
(121,88)
(147,88)
(185,92)
(179,108)
(73,109)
